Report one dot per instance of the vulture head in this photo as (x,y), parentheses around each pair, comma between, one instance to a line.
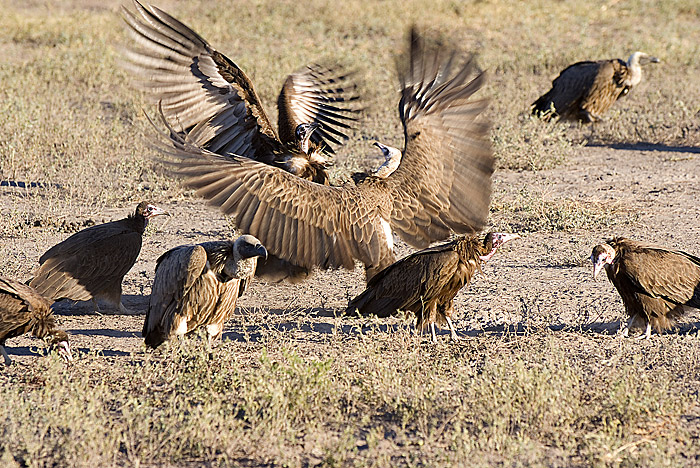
(146,211)
(389,152)
(635,62)
(392,159)
(303,134)
(59,343)
(493,241)
(602,256)
(244,257)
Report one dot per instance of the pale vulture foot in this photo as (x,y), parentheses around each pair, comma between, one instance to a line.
(625,331)
(453,332)
(647,332)
(8,361)
(433,336)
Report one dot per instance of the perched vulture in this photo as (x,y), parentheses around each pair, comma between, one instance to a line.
(426,282)
(205,94)
(584,91)
(197,286)
(441,186)
(24,310)
(656,284)
(91,263)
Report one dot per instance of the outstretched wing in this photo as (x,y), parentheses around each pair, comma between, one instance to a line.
(176,271)
(201,91)
(443,183)
(317,94)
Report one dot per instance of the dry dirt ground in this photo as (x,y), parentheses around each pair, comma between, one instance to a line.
(543,279)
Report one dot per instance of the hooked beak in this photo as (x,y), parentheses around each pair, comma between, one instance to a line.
(261,251)
(156,211)
(597,267)
(654,60)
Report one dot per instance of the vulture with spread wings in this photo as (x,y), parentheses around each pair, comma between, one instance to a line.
(441,186)
(657,285)
(206,95)
(584,91)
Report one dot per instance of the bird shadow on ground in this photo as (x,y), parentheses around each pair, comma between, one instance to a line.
(40,351)
(644,146)
(136,303)
(106,332)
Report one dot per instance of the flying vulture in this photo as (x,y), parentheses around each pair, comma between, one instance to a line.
(24,310)
(584,91)
(656,284)
(205,94)
(426,282)
(91,263)
(197,286)
(441,186)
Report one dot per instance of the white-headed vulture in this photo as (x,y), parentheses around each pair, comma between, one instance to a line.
(24,310)
(91,263)
(427,281)
(656,284)
(584,91)
(197,286)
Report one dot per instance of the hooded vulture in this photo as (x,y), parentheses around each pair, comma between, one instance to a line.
(91,263)
(24,310)
(426,282)
(442,184)
(584,91)
(197,286)
(656,284)
(206,95)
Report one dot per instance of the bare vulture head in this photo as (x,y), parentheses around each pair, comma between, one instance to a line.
(635,63)
(303,134)
(59,343)
(392,159)
(602,256)
(493,241)
(246,250)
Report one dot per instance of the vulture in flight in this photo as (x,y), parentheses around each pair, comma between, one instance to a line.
(197,286)
(91,263)
(206,95)
(441,186)
(426,282)
(656,284)
(584,91)
(24,310)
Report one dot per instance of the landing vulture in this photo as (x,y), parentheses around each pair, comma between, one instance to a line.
(584,91)
(205,94)
(441,186)
(656,284)
(426,282)
(24,310)
(197,286)
(91,263)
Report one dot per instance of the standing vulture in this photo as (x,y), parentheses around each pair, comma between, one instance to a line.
(656,284)
(441,186)
(24,310)
(91,263)
(197,286)
(205,94)
(584,91)
(426,282)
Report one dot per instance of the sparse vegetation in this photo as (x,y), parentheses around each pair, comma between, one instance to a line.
(293,385)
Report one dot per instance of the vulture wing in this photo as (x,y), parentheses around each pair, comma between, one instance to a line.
(442,184)
(315,94)
(88,262)
(18,305)
(176,272)
(409,283)
(200,89)
(671,275)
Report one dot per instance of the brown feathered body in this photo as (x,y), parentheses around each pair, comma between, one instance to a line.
(198,286)
(426,282)
(91,263)
(207,96)
(656,284)
(24,310)
(586,90)
(441,186)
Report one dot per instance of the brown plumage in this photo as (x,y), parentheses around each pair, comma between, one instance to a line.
(656,284)
(197,286)
(24,310)
(426,282)
(584,91)
(441,186)
(91,263)
(205,94)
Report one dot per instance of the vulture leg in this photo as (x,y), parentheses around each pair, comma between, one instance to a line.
(96,307)
(647,332)
(625,331)
(124,310)
(433,336)
(8,361)
(453,332)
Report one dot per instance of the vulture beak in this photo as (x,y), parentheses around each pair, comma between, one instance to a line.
(63,349)
(598,264)
(261,251)
(497,240)
(654,60)
(154,211)
(385,150)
